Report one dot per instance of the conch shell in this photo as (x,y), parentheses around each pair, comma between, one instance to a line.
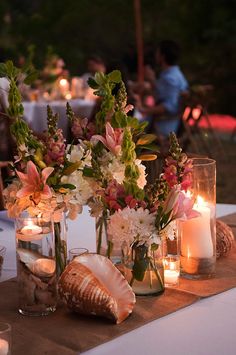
(92,285)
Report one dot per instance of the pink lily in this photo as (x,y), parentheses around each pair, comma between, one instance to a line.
(180,204)
(33,183)
(113,138)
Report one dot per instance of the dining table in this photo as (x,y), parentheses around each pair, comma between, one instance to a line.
(206,327)
(35,112)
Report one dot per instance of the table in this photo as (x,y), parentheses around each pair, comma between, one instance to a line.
(35,113)
(205,328)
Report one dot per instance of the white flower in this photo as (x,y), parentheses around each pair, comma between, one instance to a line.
(120,228)
(79,153)
(128,225)
(83,191)
(112,167)
(170,230)
(141,182)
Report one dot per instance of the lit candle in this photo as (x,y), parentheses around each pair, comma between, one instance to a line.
(171,270)
(64,86)
(171,277)
(31,229)
(4,347)
(196,240)
(29,232)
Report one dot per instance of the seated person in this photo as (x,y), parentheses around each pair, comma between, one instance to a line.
(168,89)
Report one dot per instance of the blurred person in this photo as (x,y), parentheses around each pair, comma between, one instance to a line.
(168,89)
(94,64)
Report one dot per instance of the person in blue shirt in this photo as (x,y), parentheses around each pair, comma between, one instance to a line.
(168,90)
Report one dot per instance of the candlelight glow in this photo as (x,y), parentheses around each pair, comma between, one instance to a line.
(63,82)
(68,96)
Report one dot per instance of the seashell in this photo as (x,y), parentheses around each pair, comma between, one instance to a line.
(224,239)
(92,285)
(42,267)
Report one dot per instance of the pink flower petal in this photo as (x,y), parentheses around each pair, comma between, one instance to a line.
(32,172)
(45,173)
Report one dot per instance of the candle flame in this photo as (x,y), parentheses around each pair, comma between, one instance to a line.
(63,82)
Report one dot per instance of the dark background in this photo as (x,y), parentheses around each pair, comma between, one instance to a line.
(74,29)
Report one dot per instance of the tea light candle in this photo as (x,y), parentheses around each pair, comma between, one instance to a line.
(4,347)
(31,229)
(171,270)
(171,277)
(196,241)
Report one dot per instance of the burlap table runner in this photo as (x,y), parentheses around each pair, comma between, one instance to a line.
(66,333)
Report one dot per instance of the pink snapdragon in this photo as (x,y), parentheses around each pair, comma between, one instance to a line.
(112,140)
(34,184)
(82,128)
(55,148)
(178,172)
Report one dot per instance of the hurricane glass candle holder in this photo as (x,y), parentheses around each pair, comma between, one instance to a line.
(198,235)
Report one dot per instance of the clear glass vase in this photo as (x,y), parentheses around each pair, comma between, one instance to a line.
(198,235)
(104,245)
(36,266)
(143,269)
(60,233)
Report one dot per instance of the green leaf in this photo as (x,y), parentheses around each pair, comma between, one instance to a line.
(31,77)
(92,83)
(65,186)
(3,71)
(115,76)
(99,78)
(88,172)
(146,139)
(165,218)
(139,268)
(71,168)
(152,147)
(9,67)
(154,246)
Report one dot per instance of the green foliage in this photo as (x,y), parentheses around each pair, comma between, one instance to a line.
(52,120)
(13,75)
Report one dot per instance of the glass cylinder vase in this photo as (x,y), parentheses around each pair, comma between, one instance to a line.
(60,233)
(143,269)
(171,254)
(103,245)
(36,266)
(198,235)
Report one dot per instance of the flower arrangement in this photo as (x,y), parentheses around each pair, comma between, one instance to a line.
(104,170)
(47,173)
(128,210)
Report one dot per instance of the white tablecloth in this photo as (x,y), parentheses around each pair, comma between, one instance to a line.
(207,327)
(35,113)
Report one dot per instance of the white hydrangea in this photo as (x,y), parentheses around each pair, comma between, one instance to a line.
(83,189)
(112,168)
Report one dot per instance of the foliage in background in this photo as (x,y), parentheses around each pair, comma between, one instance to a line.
(206,29)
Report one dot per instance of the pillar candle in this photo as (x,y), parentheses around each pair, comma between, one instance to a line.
(4,347)
(196,240)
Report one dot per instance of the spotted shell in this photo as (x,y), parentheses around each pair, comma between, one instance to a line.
(92,285)
(224,239)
